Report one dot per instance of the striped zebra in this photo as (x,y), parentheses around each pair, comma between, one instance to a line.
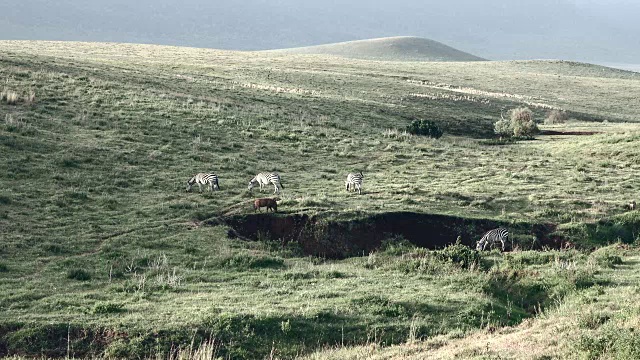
(491,237)
(264,179)
(354,181)
(203,179)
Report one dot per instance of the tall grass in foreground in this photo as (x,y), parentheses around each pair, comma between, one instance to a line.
(207,350)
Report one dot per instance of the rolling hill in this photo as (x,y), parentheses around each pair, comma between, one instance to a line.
(401,48)
(104,254)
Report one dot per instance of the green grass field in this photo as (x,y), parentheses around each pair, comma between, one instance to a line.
(103,253)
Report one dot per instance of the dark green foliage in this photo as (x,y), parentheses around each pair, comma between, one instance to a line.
(379,306)
(50,340)
(108,308)
(247,261)
(522,259)
(3,268)
(498,141)
(424,128)
(459,254)
(607,257)
(78,274)
(611,342)
(396,246)
(5,199)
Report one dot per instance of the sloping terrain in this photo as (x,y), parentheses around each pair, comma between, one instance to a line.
(401,48)
(102,252)
(598,323)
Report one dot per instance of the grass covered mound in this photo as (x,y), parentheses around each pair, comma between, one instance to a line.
(401,48)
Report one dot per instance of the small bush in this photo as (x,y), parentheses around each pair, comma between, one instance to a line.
(424,128)
(459,254)
(503,128)
(522,122)
(607,256)
(379,306)
(519,124)
(396,246)
(107,308)
(556,117)
(3,268)
(248,261)
(5,199)
(78,274)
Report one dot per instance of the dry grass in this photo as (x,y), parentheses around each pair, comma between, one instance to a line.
(9,96)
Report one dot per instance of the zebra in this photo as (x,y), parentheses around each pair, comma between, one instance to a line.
(202,179)
(265,179)
(354,180)
(491,237)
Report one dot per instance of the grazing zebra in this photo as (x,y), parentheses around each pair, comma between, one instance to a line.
(265,179)
(492,237)
(203,179)
(355,181)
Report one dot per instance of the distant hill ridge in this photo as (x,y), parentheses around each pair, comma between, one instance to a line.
(401,48)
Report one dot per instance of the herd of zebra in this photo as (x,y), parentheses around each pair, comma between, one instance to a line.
(353,183)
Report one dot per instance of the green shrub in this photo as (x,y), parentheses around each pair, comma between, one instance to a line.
(107,308)
(503,128)
(379,306)
(607,256)
(78,274)
(519,124)
(248,261)
(610,342)
(424,128)
(396,246)
(459,254)
(556,117)
(5,199)
(522,122)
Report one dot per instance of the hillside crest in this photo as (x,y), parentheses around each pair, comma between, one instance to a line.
(399,48)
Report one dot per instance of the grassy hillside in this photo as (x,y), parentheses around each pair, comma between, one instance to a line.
(101,244)
(401,48)
(599,322)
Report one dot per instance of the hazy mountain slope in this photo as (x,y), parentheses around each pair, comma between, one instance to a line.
(403,48)
(495,29)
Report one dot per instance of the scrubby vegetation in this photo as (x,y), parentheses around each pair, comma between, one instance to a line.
(556,117)
(103,253)
(424,128)
(520,124)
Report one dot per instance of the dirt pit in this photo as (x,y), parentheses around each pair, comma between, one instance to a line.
(338,239)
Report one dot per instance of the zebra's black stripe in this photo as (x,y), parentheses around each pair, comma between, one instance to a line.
(492,237)
(204,179)
(354,180)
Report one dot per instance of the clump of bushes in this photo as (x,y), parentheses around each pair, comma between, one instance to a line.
(459,254)
(519,124)
(424,128)
(556,117)
(78,274)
